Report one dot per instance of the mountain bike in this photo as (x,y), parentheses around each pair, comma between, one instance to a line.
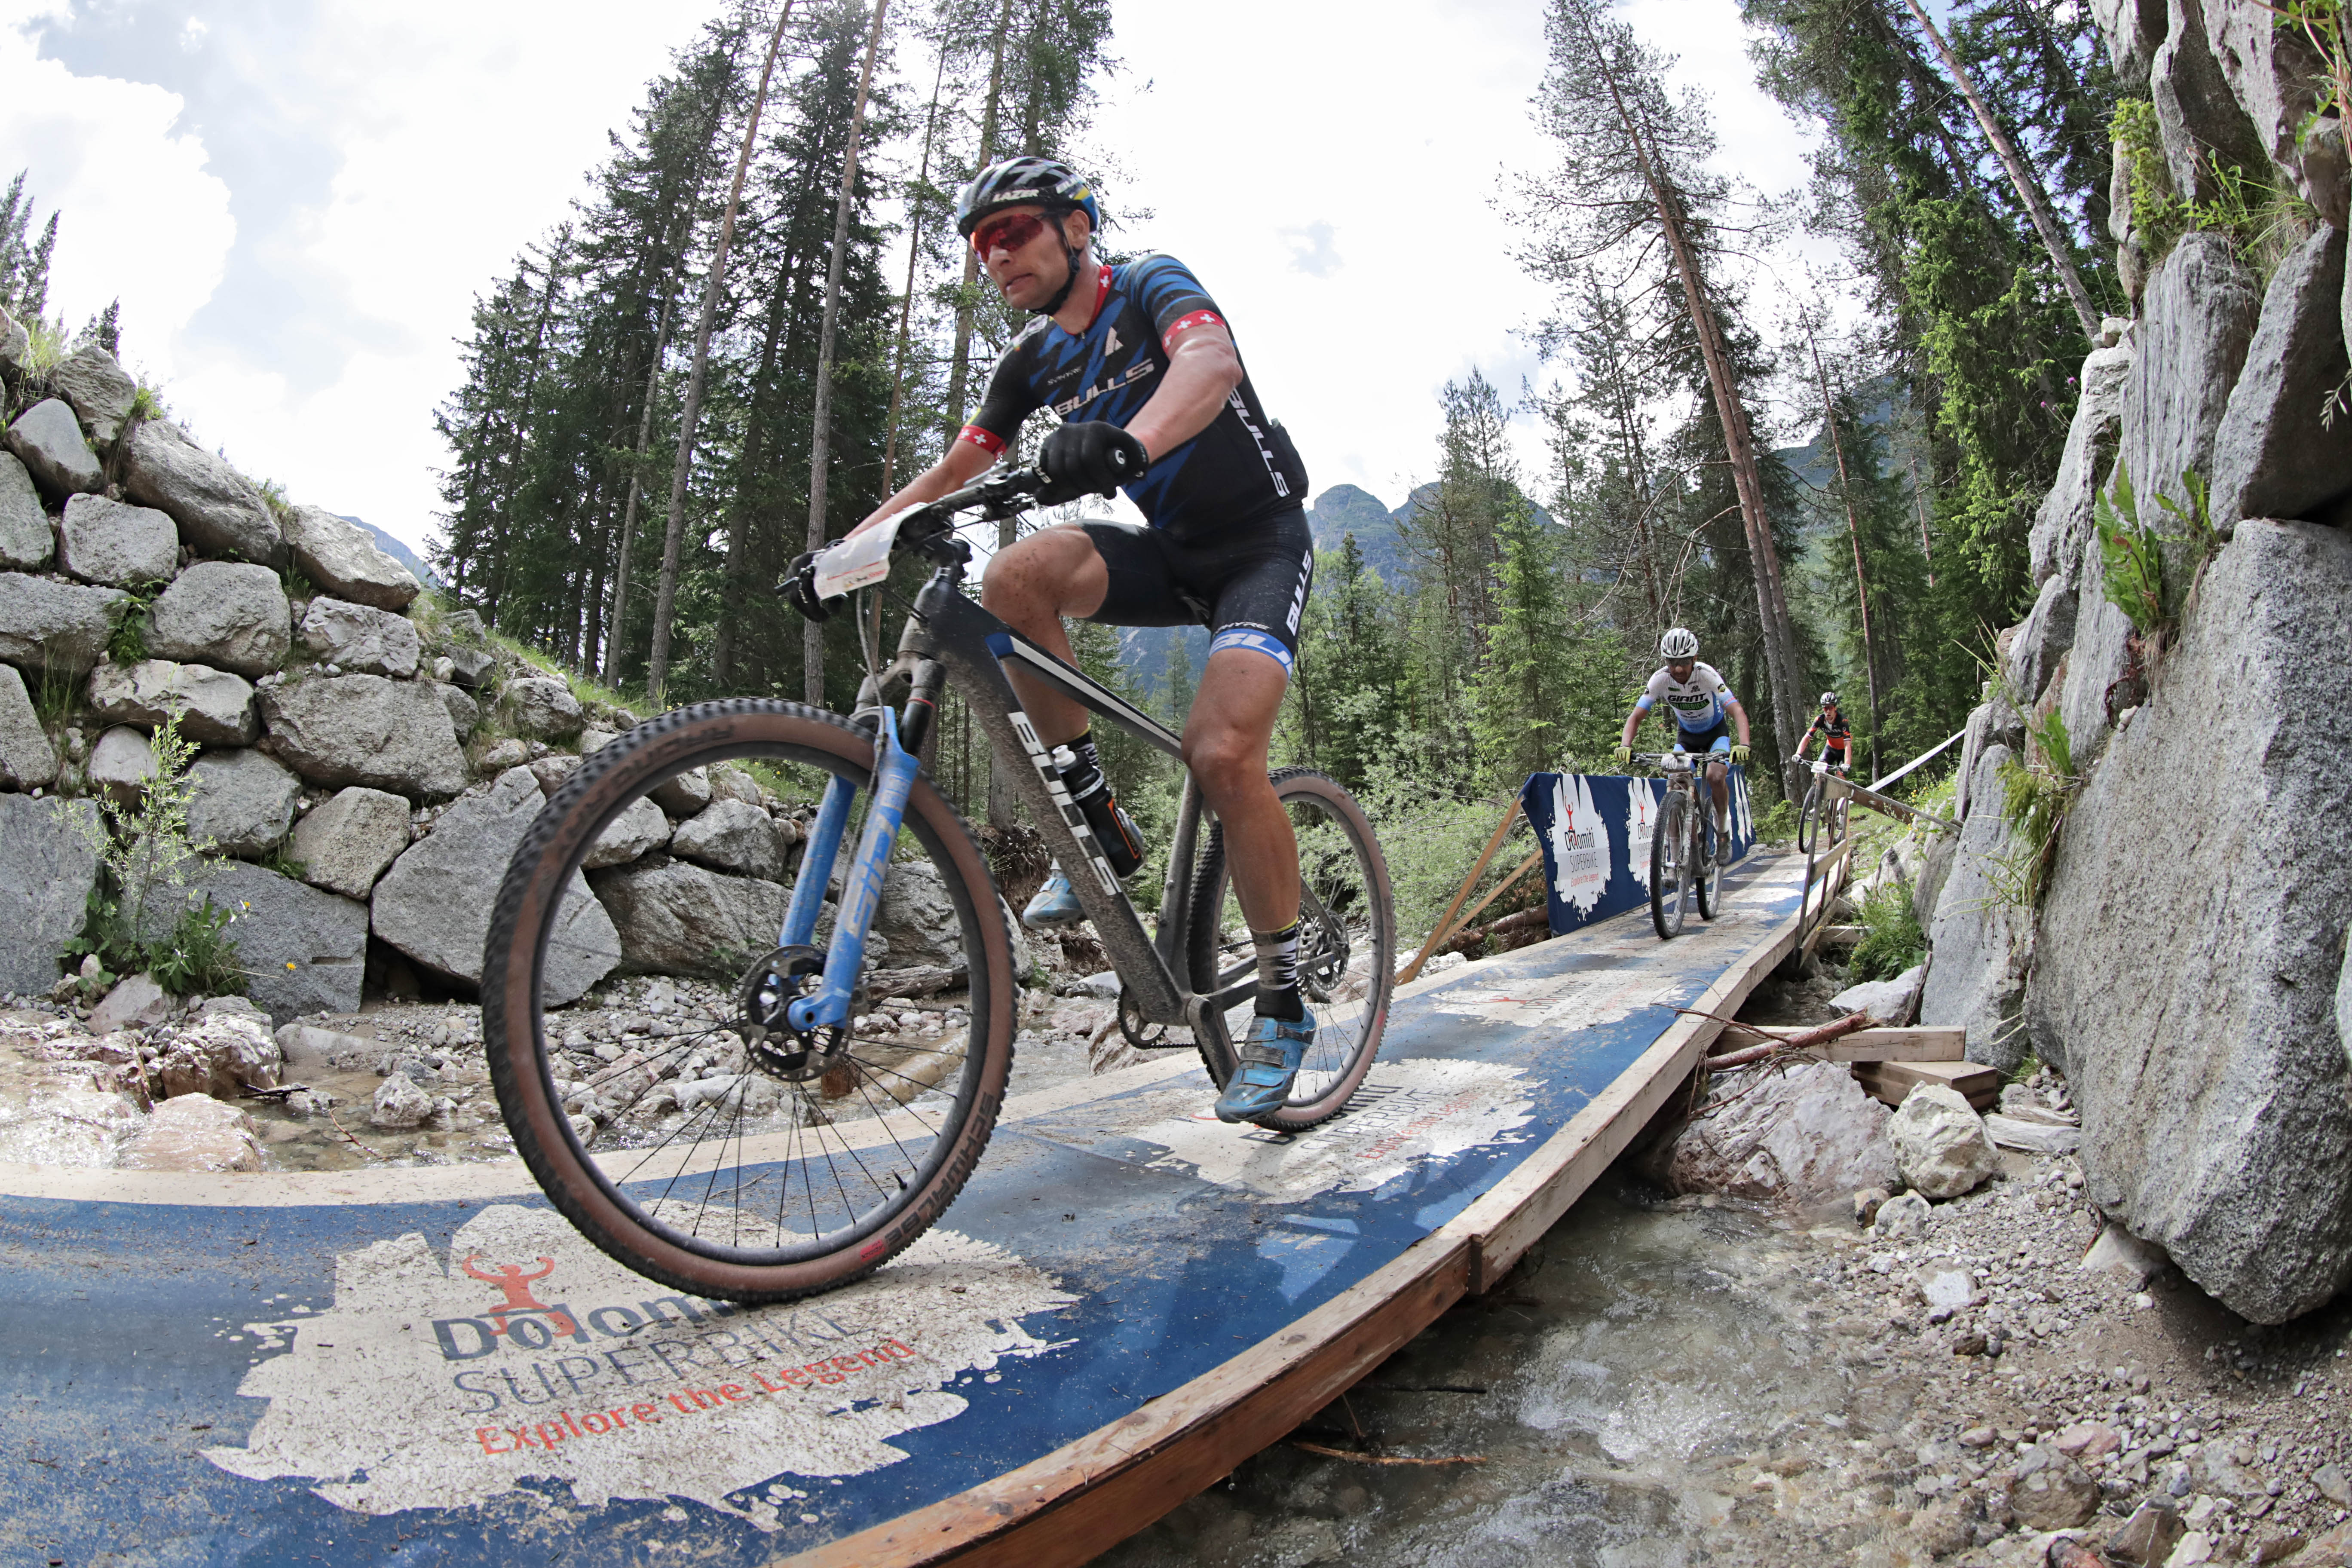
(1826,804)
(819,1144)
(1686,847)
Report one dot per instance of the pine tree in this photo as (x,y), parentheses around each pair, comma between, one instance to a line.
(23,267)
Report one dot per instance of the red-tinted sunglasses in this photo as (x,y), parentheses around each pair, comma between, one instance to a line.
(1010,232)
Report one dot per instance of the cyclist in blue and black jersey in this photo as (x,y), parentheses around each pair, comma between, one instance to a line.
(1703,709)
(1138,364)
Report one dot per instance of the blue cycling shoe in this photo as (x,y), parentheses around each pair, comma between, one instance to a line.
(1055,908)
(1270,1060)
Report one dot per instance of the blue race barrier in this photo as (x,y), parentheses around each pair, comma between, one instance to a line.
(1595,831)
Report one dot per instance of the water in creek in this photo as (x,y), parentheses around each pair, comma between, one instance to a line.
(1654,1385)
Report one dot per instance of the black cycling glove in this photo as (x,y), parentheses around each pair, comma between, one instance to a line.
(799,588)
(1091,458)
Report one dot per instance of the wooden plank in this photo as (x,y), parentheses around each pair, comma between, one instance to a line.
(1513,1215)
(1914,1045)
(1406,976)
(1890,1081)
(1091,1494)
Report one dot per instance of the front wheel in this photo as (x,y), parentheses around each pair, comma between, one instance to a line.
(1670,865)
(1347,947)
(738,1158)
(1710,883)
(1808,819)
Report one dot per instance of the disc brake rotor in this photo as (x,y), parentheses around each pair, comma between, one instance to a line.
(763,999)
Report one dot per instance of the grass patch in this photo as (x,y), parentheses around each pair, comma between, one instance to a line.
(1894,941)
(127,642)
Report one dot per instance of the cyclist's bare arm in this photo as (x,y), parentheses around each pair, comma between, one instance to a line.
(1740,714)
(1204,368)
(964,462)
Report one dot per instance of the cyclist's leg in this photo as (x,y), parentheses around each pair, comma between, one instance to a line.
(1030,586)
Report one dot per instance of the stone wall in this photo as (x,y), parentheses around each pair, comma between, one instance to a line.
(2186,965)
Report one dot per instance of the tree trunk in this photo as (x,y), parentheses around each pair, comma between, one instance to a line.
(907,298)
(1853,534)
(746,468)
(666,595)
(960,363)
(529,386)
(821,429)
(2029,186)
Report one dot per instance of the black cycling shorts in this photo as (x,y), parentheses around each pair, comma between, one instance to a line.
(1702,739)
(1247,583)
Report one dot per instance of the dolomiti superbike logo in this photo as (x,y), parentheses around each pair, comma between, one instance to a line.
(1579,844)
(440,1379)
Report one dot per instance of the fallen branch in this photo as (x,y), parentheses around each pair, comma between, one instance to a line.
(1383,1459)
(371,1153)
(1819,1035)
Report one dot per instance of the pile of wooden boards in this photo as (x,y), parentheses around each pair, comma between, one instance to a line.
(1889,1063)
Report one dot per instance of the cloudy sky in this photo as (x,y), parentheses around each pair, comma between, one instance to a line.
(297,201)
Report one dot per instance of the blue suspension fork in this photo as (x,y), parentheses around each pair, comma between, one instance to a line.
(894,779)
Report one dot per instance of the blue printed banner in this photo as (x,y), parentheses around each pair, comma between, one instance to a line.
(1595,829)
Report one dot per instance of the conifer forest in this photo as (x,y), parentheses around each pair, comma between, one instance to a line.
(1830,500)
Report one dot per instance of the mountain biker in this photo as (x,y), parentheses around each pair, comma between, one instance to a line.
(1830,726)
(1702,700)
(1137,360)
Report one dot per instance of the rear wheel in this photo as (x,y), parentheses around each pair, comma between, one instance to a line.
(1717,841)
(737,1158)
(1347,942)
(1670,867)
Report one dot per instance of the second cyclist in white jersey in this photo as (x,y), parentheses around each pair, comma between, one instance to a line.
(1704,707)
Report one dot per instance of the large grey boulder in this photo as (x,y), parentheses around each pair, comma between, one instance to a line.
(635,833)
(217,511)
(2063,523)
(2103,668)
(1803,1132)
(56,627)
(916,917)
(434,903)
(360,637)
(242,800)
(103,540)
(2133,29)
(679,918)
(732,837)
(683,795)
(1940,1143)
(2274,455)
(348,839)
(223,613)
(98,389)
(464,712)
(1979,947)
(122,765)
(215,706)
(2192,938)
(48,439)
(364,730)
(2199,317)
(26,758)
(1888,1003)
(26,539)
(339,557)
(540,708)
(2197,115)
(48,864)
(302,950)
(2041,640)
(2276,78)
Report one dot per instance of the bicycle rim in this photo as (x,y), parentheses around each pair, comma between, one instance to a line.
(1346,942)
(1710,885)
(1669,876)
(1808,819)
(731,1159)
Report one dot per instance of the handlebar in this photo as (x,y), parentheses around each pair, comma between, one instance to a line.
(997,495)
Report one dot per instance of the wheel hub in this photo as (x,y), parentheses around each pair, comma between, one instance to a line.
(763,999)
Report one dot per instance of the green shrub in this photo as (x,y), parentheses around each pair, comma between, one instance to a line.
(1895,941)
(2132,555)
(200,959)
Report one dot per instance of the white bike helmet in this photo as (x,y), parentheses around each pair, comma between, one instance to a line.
(1679,643)
(1829,699)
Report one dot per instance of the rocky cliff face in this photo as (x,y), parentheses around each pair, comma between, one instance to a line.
(2186,965)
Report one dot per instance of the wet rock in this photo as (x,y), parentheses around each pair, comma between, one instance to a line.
(215,706)
(365,730)
(2275,454)
(217,511)
(633,833)
(194,1132)
(26,542)
(919,920)
(302,950)
(337,556)
(26,757)
(121,764)
(1980,947)
(539,709)
(56,627)
(2061,527)
(682,918)
(683,795)
(2216,1118)
(359,639)
(243,801)
(1805,1133)
(2047,1490)
(348,839)
(400,1105)
(434,903)
(77,1122)
(225,612)
(732,837)
(1940,1144)
(48,864)
(135,1003)
(1887,1002)
(47,438)
(98,389)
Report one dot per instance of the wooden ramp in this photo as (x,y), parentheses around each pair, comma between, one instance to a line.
(425,1365)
